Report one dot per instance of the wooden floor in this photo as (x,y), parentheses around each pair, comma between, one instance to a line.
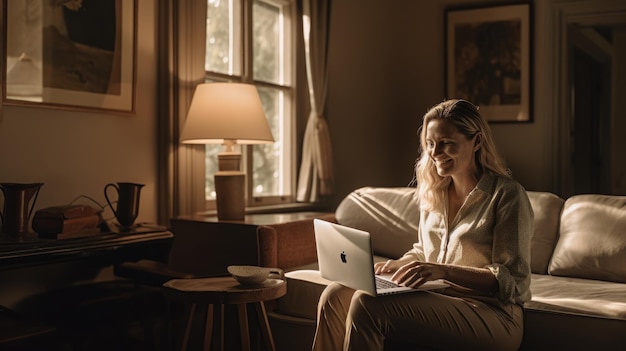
(120,316)
(101,316)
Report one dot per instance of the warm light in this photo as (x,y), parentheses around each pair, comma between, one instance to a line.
(229,114)
(226,111)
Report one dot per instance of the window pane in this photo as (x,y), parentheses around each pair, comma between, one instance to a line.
(269,37)
(222,37)
(266,42)
(266,157)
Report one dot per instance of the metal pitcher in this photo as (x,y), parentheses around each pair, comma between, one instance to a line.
(17,211)
(127,207)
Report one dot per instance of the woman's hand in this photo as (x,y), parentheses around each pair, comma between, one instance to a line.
(389,266)
(416,273)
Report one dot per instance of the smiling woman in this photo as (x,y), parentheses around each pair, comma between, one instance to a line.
(474,232)
(454,124)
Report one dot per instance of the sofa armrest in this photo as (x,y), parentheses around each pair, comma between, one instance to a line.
(288,245)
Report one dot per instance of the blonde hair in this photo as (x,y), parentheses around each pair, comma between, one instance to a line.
(431,187)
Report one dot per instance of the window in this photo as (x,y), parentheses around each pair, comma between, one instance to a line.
(250,41)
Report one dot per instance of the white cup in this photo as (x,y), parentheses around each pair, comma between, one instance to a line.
(254,275)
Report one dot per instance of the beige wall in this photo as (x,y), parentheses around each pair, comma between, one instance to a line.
(77,153)
(387,69)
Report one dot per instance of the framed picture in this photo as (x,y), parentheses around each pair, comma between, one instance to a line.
(488,59)
(70,54)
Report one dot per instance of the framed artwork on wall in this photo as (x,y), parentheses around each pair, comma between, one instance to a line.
(488,59)
(70,54)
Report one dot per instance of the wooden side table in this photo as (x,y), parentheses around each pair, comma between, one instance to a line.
(225,291)
(209,246)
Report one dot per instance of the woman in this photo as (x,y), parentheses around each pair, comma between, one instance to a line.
(474,232)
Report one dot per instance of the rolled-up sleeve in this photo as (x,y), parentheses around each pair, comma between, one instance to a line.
(511,244)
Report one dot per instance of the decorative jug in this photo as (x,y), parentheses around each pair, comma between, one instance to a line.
(16,212)
(127,202)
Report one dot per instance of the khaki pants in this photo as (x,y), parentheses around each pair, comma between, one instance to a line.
(349,320)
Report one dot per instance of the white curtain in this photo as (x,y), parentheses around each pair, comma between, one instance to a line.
(316,170)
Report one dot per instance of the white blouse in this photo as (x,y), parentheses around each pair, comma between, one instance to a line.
(492,230)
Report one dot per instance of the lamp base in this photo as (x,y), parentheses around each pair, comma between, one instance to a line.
(230,195)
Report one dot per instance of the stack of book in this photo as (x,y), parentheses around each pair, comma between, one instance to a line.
(68,221)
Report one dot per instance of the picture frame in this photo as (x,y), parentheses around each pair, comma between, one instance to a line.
(488,59)
(67,54)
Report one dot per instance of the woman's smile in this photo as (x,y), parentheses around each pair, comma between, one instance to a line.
(450,150)
(442,163)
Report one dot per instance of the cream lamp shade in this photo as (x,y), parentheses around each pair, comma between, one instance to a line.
(226,111)
(229,114)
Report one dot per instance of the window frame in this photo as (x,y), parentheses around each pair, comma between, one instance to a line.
(288,88)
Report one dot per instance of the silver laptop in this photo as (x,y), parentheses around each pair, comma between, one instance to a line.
(345,256)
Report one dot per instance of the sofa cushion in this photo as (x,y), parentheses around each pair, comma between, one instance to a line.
(579,296)
(547,208)
(592,242)
(390,215)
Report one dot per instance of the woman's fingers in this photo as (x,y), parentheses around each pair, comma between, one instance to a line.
(406,272)
(379,267)
(414,274)
(385,267)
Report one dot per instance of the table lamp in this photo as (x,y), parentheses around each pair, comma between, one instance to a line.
(228,114)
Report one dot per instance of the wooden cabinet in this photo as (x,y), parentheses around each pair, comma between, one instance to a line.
(142,242)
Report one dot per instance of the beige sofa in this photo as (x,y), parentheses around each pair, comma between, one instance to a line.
(578,265)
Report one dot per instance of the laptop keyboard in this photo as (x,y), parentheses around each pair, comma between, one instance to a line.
(384,284)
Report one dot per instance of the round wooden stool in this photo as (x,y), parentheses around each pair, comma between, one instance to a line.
(225,291)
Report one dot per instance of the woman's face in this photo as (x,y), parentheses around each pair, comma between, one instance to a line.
(451,151)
